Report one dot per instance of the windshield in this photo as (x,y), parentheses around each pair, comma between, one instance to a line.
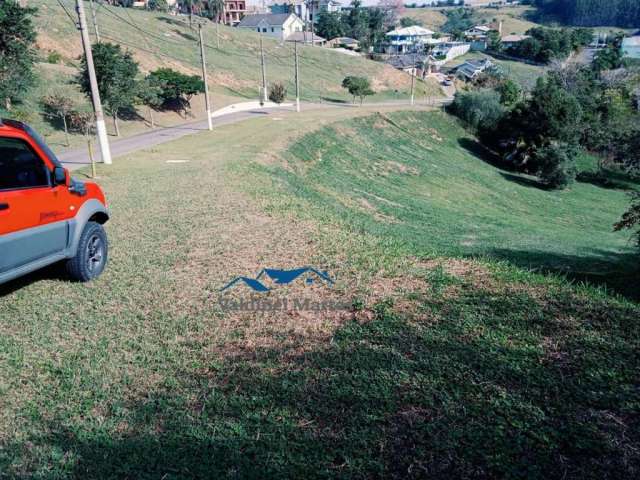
(36,138)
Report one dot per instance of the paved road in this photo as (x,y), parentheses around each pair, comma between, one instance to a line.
(75,159)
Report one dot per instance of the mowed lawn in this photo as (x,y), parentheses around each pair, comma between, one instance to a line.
(452,360)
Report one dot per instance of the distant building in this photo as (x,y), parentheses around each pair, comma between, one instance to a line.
(447,51)
(510,41)
(409,39)
(344,42)
(234,10)
(307,10)
(278,25)
(481,32)
(470,69)
(631,47)
(306,38)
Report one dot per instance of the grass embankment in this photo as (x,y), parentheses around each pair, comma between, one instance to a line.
(159,40)
(445,366)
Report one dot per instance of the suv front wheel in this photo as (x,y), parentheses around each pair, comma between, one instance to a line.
(91,257)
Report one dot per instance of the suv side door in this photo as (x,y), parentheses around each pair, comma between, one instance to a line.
(33,218)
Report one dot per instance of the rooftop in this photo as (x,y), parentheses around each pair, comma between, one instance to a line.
(413,31)
(269,18)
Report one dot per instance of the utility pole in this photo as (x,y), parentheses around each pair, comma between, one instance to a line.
(263,98)
(312,22)
(95,93)
(95,21)
(297,78)
(204,79)
(413,78)
(218,34)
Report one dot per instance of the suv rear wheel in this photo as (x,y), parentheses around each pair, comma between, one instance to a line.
(91,257)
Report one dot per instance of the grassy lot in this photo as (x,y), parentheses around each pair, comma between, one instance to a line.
(446,365)
(525,74)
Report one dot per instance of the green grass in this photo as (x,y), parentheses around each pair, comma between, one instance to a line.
(443,368)
(420,180)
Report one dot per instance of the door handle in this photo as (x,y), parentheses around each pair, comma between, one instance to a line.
(4,206)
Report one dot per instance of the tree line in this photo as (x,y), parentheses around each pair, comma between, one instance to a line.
(592,13)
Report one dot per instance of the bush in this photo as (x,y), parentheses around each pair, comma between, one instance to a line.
(480,109)
(358,87)
(54,57)
(277,93)
(556,165)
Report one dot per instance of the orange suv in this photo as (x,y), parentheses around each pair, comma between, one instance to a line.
(45,215)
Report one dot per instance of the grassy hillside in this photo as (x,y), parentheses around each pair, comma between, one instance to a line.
(421,180)
(515,19)
(159,40)
(440,366)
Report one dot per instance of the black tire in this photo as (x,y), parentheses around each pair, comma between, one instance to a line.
(91,256)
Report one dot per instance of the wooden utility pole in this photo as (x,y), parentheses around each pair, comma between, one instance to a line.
(95,21)
(312,22)
(204,79)
(93,82)
(263,98)
(218,34)
(295,49)
(413,78)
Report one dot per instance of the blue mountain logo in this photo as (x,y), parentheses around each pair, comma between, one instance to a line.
(280,277)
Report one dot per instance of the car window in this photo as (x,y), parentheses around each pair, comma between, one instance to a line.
(20,167)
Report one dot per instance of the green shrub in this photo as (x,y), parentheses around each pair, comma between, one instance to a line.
(277,93)
(556,164)
(54,57)
(480,109)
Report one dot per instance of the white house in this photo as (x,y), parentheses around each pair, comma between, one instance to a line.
(409,39)
(448,51)
(479,32)
(631,47)
(278,25)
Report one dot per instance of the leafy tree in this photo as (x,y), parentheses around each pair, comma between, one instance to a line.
(357,22)
(149,94)
(176,89)
(159,5)
(409,22)
(277,93)
(610,57)
(593,13)
(17,52)
(358,87)
(116,73)
(631,219)
(61,106)
(510,92)
(556,164)
(215,9)
(480,109)
(330,25)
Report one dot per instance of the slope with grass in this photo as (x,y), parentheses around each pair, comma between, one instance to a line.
(443,367)
(421,180)
(160,40)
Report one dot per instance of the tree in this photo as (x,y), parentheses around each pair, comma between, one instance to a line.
(410,22)
(277,92)
(215,9)
(17,52)
(631,219)
(510,92)
(556,164)
(176,89)
(116,73)
(480,109)
(61,106)
(159,5)
(330,25)
(149,94)
(358,87)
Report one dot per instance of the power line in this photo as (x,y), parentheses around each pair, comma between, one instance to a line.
(75,24)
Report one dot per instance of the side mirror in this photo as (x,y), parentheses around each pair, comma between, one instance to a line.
(60,176)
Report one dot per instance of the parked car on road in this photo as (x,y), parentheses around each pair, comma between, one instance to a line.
(45,215)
